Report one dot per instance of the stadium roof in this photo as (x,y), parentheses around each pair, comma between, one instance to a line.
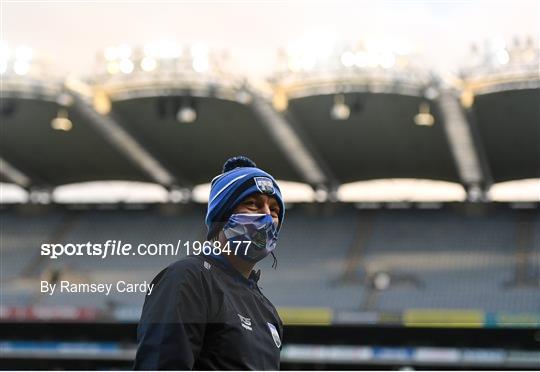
(52,157)
(379,140)
(327,127)
(508,124)
(195,152)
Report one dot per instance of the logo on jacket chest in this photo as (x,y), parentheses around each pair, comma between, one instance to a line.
(246,322)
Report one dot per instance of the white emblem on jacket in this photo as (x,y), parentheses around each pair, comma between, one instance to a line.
(246,322)
(275,334)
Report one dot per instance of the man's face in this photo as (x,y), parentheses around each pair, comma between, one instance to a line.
(259,203)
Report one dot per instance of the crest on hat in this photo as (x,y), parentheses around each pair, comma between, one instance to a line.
(265,185)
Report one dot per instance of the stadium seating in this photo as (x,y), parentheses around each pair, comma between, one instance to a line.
(22,236)
(435,259)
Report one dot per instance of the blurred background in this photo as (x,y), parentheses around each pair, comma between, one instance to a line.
(405,135)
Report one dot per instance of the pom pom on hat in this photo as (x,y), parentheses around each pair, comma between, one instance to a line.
(238,161)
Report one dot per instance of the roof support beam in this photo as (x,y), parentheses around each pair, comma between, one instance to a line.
(291,145)
(14,175)
(461,143)
(123,141)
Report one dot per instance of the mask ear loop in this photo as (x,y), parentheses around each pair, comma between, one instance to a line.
(274,264)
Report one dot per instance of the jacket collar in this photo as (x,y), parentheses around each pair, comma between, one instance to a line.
(254,276)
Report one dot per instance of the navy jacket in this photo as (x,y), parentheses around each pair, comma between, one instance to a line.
(203,314)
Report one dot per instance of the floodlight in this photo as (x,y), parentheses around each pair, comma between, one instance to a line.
(148,64)
(424,117)
(340,110)
(21,67)
(61,121)
(126,66)
(503,57)
(186,113)
(348,59)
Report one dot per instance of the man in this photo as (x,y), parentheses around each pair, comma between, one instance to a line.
(206,311)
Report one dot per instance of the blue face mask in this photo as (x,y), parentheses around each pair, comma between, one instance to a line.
(258,229)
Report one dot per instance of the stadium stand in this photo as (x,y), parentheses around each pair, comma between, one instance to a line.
(312,254)
(438,259)
(21,235)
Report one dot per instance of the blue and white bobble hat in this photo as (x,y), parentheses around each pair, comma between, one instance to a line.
(240,178)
